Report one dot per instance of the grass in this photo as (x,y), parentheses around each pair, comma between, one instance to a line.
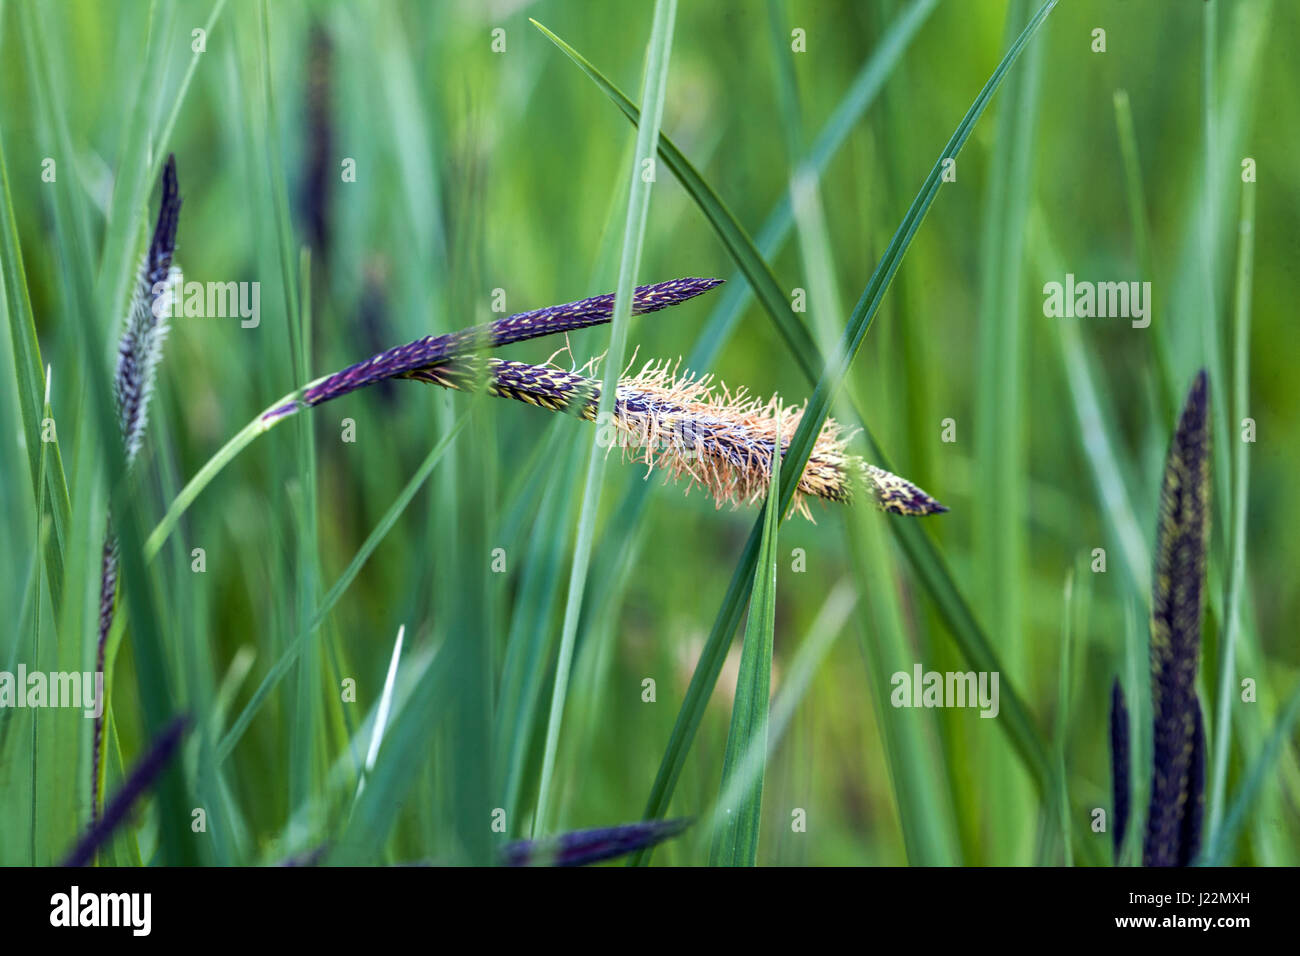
(1240,494)
(642,178)
(739,809)
(567,662)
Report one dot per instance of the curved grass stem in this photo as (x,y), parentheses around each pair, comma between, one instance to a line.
(242,439)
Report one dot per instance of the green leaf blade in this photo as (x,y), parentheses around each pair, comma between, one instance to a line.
(1027,739)
(653,90)
(735,840)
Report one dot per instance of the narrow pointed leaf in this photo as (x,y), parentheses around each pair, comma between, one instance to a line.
(1258,774)
(1017,722)
(30,388)
(653,92)
(735,839)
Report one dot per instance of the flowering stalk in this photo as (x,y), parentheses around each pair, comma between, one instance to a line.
(395,362)
(1177,803)
(431,349)
(1178,776)
(428,358)
(138,354)
(141,779)
(719,439)
(575,848)
(583,847)
(686,426)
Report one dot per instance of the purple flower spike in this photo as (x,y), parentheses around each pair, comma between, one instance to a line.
(1178,733)
(138,353)
(516,328)
(135,786)
(591,846)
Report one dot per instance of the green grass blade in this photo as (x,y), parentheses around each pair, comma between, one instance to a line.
(1137,212)
(203,477)
(1240,493)
(1062,720)
(40,851)
(1259,772)
(165,134)
(525,668)
(917,546)
(279,192)
(638,205)
(706,674)
(1096,431)
(130,190)
(733,235)
(860,321)
(30,388)
(796,680)
(382,711)
(917,774)
(1001,456)
(735,839)
(1210,217)
(1138,698)
(385,524)
(307,709)
(937,580)
(245,436)
(71,226)
(404,752)
(735,294)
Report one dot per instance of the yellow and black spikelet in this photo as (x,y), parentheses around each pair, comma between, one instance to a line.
(689,427)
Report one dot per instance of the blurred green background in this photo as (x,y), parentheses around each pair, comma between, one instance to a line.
(479,171)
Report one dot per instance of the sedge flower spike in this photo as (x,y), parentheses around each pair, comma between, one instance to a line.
(1175,811)
(690,428)
(145,329)
(1178,775)
(553,320)
(138,353)
(684,425)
